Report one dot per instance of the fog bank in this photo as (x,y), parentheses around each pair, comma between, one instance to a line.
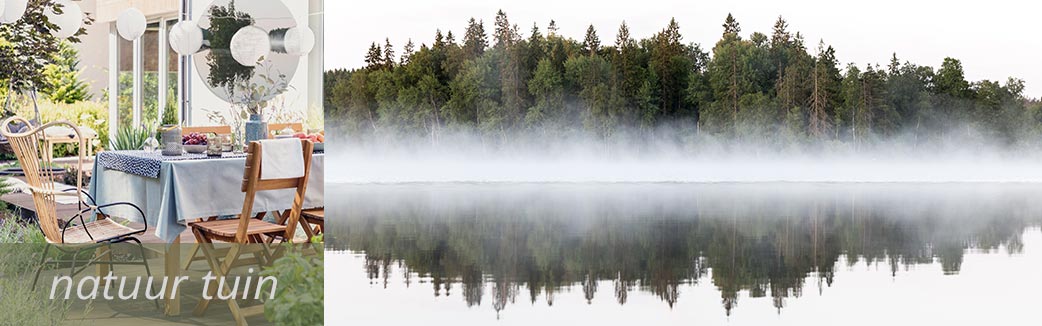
(665,157)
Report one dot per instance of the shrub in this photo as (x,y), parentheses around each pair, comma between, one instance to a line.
(84,114)
(62,78)
(299,297)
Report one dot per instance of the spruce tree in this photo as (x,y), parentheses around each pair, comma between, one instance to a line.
(474,41)
(591,43)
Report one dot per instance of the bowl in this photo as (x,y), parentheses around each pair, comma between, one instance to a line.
(195,149)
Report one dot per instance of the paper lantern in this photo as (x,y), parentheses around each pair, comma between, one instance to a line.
(68,22)
(13,10)
(131,24)
(186,38)
(299,40)
(249,45)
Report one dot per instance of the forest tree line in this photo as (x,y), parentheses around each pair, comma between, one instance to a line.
(775,89)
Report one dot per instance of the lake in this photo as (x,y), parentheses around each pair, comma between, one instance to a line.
(684,253)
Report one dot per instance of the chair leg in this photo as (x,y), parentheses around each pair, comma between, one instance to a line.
(144,261)
(43,260)
(209,252)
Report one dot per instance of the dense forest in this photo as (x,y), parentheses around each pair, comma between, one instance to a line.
(774,89)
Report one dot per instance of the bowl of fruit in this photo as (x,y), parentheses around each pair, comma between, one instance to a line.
(194,143)
(318,138)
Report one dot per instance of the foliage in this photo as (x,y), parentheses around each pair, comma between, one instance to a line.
(19,303)
(299,298)
(130,137)
(62,82)
(150,101)
(225,72)
(748,86)
(27,46)
(84,114)
(11,231)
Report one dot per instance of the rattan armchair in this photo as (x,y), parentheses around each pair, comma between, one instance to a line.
(95,231)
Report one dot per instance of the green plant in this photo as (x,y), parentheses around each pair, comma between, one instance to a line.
(26,47)
(62,83)
(92,114)
(11,231)
(131,138)
(21,245)
(299,297)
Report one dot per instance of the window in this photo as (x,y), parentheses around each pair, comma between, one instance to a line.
(145,77)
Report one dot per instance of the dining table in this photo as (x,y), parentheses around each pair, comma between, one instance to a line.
(175,190)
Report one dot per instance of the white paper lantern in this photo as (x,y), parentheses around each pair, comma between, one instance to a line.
(68,22)
(299,40)
(249,45)
(13,10)
(131,24)
(186,38)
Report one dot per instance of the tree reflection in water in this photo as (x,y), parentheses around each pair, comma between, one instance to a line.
(759,239)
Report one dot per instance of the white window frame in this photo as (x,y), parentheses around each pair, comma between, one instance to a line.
(138,72)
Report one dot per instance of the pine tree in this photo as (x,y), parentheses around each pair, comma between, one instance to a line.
(671,66)
(374,58)
(506,35)
(449,38)
(475,41)
(407,51)
(591,43)
(388,61)
(731,26)
(824,80)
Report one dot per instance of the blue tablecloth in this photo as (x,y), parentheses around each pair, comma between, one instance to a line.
(187,188)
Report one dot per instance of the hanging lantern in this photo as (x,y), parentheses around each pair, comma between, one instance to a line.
(299,40)
(250,45)
(68,22)
(186,38)
(13,10)
(131,24)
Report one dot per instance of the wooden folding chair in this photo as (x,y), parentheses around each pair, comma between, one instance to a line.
(250,228)
(317,218)
(296,126)
(95,236)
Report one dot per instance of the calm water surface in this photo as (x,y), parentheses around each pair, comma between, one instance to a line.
(738,254)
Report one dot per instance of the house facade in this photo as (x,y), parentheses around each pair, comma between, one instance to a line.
(144,80)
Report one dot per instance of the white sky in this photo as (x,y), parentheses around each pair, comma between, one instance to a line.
(994,39)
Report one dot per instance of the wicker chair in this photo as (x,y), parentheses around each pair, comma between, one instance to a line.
(94,236)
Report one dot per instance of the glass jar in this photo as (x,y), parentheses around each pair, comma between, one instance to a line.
(226,142)
(170,140)
(214,145)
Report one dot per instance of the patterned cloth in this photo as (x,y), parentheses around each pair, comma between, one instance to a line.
(147,164)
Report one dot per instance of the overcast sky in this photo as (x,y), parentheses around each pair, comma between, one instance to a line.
(994,39)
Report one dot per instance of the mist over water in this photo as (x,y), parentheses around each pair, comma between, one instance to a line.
(671,156)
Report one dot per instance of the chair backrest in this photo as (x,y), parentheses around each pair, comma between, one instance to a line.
(251,184)
(220,130)
(296,126)
(39,175)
